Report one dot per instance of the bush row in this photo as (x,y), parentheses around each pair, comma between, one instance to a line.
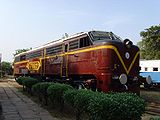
(27,83)
(98,106)
(40,90)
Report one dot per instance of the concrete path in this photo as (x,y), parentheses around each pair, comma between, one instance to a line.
(16,106)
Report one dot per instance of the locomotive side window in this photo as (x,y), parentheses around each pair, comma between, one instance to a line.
(100,35)
(66,47)
(155,69)
(17,59)
(73,45)
(22,57)
(84,42)
(34,54)
(53,50)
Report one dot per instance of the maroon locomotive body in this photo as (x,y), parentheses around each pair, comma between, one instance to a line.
(97,60)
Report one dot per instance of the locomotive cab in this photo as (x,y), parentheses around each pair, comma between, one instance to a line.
(118,62)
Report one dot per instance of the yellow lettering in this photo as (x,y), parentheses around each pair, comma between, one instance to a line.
(35,65)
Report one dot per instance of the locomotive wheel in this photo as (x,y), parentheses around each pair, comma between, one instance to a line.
(80,86)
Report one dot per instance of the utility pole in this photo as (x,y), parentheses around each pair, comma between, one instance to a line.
(0,65)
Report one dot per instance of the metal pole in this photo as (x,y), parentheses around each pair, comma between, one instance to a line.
(0,65)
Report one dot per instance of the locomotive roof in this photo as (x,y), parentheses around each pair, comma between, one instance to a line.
(54,42)
(64,39)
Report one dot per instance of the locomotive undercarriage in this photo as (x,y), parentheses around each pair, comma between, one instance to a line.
(81,81)
(90,82)
(132,85)
(77,81)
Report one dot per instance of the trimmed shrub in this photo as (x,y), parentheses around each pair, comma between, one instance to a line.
(69,96)
(36,90)
(28,82)
(40,89)
(43,90)
(81,102)
(131,105)
(79,99)
(56,92)
(118,106)
(101,106)
(44,86)
(20,80)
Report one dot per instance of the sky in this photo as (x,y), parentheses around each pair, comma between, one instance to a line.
(32,23)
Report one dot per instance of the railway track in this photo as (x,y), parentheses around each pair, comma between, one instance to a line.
(151,89)
(153,109)
(152,97)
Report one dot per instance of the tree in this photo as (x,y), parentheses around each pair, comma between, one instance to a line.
(7,68)
(18,51)
(150,44)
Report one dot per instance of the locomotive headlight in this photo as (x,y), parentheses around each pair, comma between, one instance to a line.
(123,79)
(128,43)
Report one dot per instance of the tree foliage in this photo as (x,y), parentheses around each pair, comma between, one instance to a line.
(150,44)
(7,67)
(18,51)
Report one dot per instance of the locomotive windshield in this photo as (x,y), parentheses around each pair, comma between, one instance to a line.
(100,35)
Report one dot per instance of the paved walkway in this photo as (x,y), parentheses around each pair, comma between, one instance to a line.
(17,106)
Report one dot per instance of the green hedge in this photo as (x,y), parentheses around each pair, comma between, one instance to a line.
(69,96)
(98,106)
(55,93)
(20,80)
(118,106)
(43,90)
(101,106)
(29,82)
(36,91)
(131,105)
(79,99)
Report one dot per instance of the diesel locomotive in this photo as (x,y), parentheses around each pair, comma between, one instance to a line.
(96,60)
